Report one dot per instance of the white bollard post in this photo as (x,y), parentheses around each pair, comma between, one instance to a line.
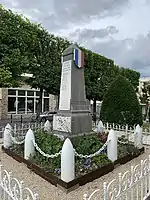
(29,148)
(112,146)
(100,127)
(138,137)
(67,161)
(47,126)
(7,137)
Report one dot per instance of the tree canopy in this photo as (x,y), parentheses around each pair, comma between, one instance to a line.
(27,47)
(16,36)
(5,78)
(120,104)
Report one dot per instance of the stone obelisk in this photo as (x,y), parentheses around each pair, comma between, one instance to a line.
(74,116)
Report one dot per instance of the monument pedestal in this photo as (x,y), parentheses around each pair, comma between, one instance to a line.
(72,122)
(74,116)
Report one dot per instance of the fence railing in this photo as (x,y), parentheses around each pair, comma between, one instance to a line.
(121,130)
(124,128)
(23,128)
(127,131)
(13,189)
(133,184)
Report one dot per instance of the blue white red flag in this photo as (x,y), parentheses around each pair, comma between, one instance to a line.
(79,58)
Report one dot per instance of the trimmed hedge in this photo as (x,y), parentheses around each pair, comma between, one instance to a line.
(120,104)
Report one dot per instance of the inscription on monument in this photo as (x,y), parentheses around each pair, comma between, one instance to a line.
(62,123)
(65,88)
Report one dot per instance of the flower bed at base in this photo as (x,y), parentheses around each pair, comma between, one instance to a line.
(79,181)
(87,169)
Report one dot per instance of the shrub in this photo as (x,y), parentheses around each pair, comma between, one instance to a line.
(120,104)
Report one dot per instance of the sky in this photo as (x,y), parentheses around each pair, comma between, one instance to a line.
(117,29)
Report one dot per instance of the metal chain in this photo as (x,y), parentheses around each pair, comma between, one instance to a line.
(45,154)
(94,154)
(15,141)
(76,154)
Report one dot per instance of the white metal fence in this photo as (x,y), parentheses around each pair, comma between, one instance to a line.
(127,131)
(12,189)
(21,130)
(125,128)
(134,184)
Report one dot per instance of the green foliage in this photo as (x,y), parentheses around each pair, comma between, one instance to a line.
(87,144)
(5,78)
(28,47)
(120,104)
(99,73)
(46,65)
(126,147)
(49,144)
(131,75)
(16,35)
(101,160)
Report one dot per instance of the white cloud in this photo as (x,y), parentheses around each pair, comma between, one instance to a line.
(118,29)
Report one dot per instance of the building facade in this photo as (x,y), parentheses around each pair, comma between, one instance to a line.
(23,101)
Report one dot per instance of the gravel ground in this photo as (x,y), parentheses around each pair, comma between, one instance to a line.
(47,191)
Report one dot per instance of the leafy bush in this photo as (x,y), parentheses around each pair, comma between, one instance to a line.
(126,147)
(49,144)
(120,104)
(87,144)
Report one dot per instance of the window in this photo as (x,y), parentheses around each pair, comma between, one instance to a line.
(21,105)
(11,92)
(36,104)
(26,101)
(37,93)
(30,105)
(30,93)
(46,104)
(12,104)
(21,92)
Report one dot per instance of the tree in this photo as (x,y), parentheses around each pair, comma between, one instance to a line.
(120,104)
(131,75)
(16,35)
(99,73)
(45,64)
(5,78)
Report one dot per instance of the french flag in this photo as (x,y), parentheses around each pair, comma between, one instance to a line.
(79,58)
